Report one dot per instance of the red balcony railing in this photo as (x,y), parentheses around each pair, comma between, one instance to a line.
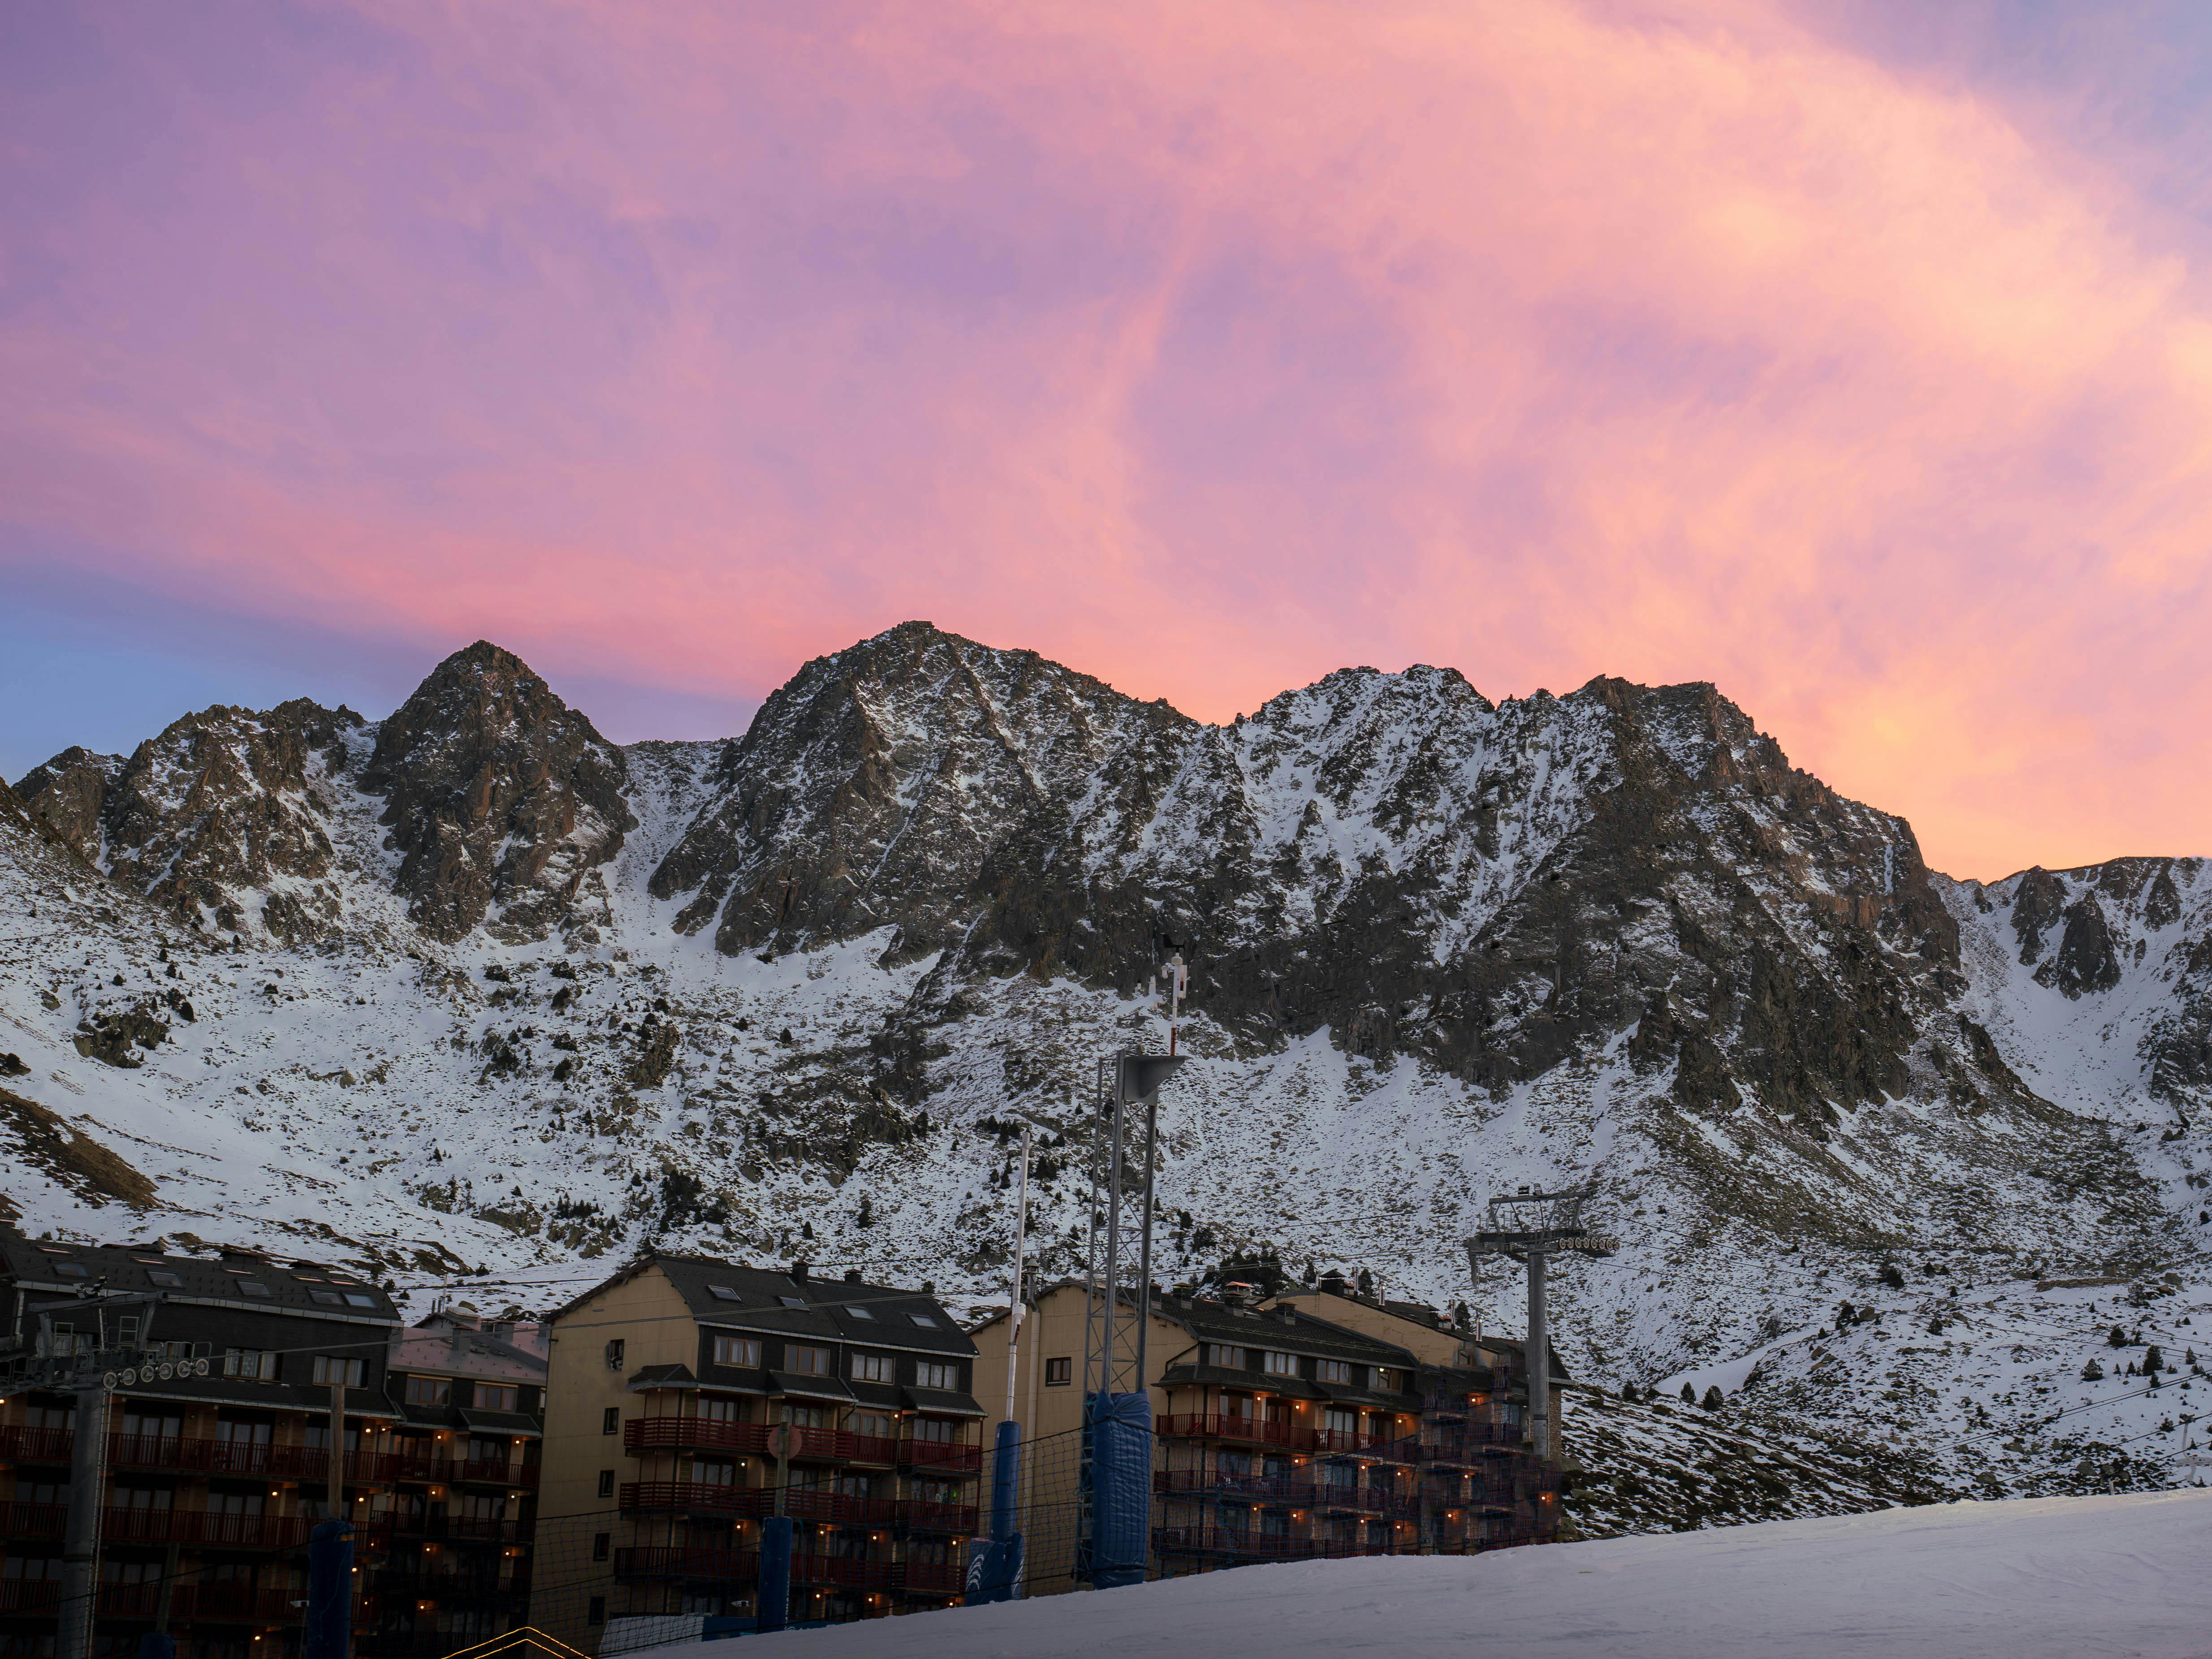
(1214,1425)
(19,1444)
(937,1518)
(874,1448)
(953,1455)
(30,1594)
(701,1497)
(1392,1448)
(32,1520)
(652,1434)
(1300,1489)
(723,1566)
(841,1572)
(932,1577)
(844,1507)
(820,1445)
(198,1527)
(244,1602)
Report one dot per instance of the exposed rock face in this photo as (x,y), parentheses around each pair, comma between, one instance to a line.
(881,783)
(497,794)
(2084,962)
(218,820)
(68,793)
(1389,856)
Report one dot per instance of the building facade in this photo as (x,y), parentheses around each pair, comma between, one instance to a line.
(457,1522)
(1280,1435)
(212,1484)
(689,1399)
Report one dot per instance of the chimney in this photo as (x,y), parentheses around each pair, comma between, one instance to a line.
(798,1272)
(852,1275)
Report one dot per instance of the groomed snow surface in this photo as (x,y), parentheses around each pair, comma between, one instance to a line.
(2072,1576)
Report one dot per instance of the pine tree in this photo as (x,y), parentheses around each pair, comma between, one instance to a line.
(1689,1395)
(2093,1372)
(867,1215)
(2119,1338)
(2153,1361)
(1713,1401)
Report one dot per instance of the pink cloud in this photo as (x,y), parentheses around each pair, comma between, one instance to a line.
(1206,348)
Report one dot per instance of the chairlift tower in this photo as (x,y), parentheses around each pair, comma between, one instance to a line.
(1531,1227)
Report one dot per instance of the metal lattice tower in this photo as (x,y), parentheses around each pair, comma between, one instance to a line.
(1118,1273)
(1532,1227)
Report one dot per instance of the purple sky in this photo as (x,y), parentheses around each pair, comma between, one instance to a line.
(1855,358)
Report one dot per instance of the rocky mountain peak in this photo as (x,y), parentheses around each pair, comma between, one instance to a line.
(68,793)
(497,795)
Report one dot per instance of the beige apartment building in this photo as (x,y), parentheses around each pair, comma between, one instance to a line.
(1281,1433)
(689,1398)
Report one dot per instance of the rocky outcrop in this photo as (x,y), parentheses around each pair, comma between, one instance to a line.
(499,797)
(217,821)
(69,795)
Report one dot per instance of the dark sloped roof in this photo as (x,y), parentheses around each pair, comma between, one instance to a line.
(1214,1321)
(292,1290)
(832,1310)
(949,1401)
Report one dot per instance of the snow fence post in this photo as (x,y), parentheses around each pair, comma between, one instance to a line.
(772,1604)
(329,1591)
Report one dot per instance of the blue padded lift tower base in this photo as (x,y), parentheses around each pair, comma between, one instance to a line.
(1119,1427)
(772,1601)
(329,1591)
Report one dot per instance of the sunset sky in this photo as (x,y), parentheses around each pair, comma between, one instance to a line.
(1857,357)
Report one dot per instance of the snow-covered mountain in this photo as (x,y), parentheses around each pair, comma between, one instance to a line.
(471,987)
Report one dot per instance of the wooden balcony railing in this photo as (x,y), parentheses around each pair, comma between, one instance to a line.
(697,1496)
(652,1434)
(954,1457)
(1214,1425)
(918,1516)
(733,1567)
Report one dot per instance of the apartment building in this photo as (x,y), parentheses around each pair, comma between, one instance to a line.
(212,1484)
(1279,1435)
(689,1398)
(457,1521)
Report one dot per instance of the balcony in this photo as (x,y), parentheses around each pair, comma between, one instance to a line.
(873,1449)
(162,1527)
(387,1467)
(820,1445)
(917,1517)
(845,1508)
(652,1434)
(952,1456)
(931,1577)
(1239,1546)
(242,1603)
(448,1529)
(1389,1447)
(842,1572)
(1301,1490)
(19,1444)
(673,1563)
(695,1497)
(1251,1431)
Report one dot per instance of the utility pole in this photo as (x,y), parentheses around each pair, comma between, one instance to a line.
(81,1541)
(1021,1244)
(1531,1226)
(334,1507)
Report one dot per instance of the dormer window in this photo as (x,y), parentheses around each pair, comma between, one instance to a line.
(724,1293)
(252,1287)
(927,1322)
(72,1270)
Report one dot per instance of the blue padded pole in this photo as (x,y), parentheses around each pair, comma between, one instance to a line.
(1006,1473)
(155,1644)
(772,1600)
(329,1591)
